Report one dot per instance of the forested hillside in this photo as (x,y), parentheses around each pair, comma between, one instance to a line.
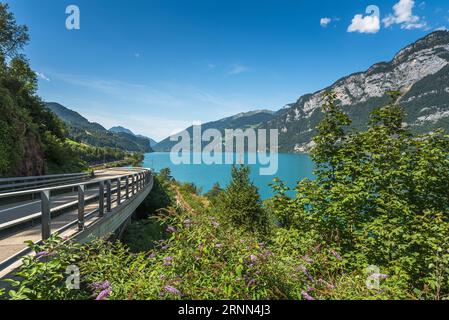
(33,140)
(243,121)
(83,131)
(29,133)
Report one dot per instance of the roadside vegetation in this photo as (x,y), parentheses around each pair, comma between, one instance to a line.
(373,225)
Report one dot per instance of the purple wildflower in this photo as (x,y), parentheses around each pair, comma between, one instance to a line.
(168,261)
(104,288)
(172,290)
(164,247)
(306,272)
(101,285)
(379,276)
(252,257)
(42,254)
(171,229)
(267,253)
(336,255)
(215,224)
(328,285)
(307,296)
(104,294)
(219,245)
(251,283)
(308,259)
(152,255)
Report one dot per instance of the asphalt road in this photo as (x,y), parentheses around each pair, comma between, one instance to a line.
(23,209)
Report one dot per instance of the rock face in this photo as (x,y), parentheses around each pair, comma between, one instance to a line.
(33,163)
(420,72)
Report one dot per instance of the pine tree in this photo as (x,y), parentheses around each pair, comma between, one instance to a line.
(241,205)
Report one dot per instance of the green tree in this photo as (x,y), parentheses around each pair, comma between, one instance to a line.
(240,203)
(214,193)
(13,37)
(32,139)
(380,195)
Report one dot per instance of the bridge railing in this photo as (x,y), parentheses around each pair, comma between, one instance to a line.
(107,191)
(26,183)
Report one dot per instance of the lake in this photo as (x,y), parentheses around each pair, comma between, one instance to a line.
(291,169)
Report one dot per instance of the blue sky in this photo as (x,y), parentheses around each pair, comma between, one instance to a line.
(157,66)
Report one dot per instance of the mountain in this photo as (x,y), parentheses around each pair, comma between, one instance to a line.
(120,129)
(73,118)
(252,119)
(82,130)
(420,72)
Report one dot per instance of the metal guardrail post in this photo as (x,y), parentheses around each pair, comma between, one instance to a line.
(108,196)
(127,187)
(133,184)
(46,217)
(119,191)
(81,192)
(101,199)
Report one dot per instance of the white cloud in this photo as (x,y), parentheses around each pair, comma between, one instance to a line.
(365,24)
(43,76)
(441,29)
(324,22)
(238,69)
(403,16)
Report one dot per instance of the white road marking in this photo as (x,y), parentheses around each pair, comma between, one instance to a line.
(22,205)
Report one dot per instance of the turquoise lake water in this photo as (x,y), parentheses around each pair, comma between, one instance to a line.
(291,169)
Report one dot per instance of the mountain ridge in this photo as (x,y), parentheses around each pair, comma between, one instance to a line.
(82,130)
(360,92)
(241,120)
(420,71)
(120,129)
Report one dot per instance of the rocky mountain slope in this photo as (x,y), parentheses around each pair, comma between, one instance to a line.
(420,71)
